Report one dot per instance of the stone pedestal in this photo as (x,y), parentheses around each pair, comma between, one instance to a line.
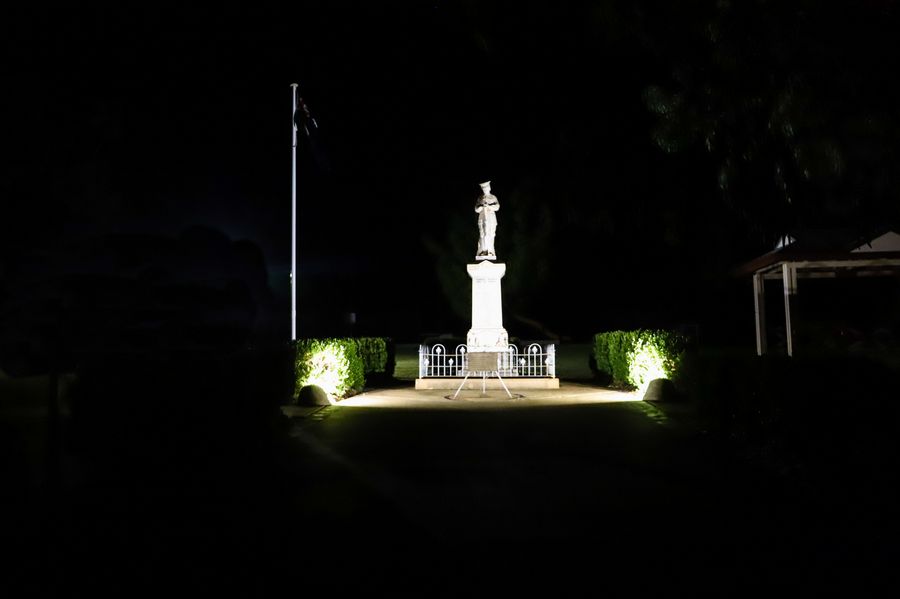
(487,332)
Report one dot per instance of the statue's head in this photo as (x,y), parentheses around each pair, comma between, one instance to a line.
(485,187)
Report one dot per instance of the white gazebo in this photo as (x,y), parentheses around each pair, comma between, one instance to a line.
(816,257)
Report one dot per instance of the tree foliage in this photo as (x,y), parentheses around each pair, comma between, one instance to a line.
(794,102)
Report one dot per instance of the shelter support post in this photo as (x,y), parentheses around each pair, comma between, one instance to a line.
(789,279)
(759,300)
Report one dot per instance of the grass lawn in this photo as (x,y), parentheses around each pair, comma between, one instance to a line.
(407,368)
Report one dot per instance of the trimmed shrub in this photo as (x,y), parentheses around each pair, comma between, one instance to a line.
(620,346)
(634,358)
(332,364)
(601,355)
(378,355)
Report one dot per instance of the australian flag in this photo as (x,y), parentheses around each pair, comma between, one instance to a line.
(303,118)
(305,121)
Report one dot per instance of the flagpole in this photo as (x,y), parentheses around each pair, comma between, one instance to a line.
(294,215)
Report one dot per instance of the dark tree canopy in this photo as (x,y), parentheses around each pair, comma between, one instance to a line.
(796,104)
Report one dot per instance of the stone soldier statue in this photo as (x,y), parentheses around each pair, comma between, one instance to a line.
(486,206)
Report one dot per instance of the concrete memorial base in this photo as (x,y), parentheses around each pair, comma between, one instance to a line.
(475,382)
(487,332)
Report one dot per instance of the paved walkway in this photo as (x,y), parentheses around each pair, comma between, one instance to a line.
(580,474)
(408,397)
(586,477)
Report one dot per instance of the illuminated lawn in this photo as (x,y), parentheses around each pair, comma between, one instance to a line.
(407,368)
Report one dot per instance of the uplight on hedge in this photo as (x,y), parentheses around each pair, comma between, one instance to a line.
(635,358)
(645,363)
(331,364)
(326,366)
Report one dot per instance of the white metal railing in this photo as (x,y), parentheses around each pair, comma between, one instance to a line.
(534,362)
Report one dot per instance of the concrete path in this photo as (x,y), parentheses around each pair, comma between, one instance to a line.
(569,394)
(558,485)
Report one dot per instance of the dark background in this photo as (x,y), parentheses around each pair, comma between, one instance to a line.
(144,139)
(639,153)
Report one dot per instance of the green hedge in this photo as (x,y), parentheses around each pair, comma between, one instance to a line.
(334,365)
(378,355)
(634,358)
(342,366)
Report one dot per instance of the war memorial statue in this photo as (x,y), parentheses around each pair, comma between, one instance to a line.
(486,206)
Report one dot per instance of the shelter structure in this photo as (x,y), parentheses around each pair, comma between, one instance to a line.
(816,255)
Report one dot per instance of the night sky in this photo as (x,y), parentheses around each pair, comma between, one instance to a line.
(151,119)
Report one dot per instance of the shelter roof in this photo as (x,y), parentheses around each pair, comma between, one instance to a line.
(829,250)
